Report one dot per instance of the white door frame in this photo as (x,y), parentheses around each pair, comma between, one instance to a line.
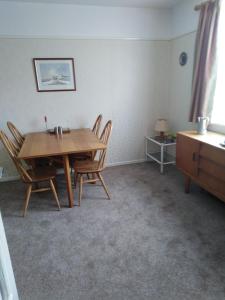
(8,290)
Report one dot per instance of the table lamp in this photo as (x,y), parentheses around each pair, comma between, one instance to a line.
(161,126)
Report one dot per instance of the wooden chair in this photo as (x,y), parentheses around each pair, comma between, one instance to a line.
(88,155)
(94,167)
(96,129)
(16,134)
(19,141)
(97,125)
(31,176)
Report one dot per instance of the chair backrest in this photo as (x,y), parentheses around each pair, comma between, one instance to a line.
(16,134)
(13,152)
(104,139)
(97,125)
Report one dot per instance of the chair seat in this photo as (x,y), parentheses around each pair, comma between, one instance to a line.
(80,156)
(86,166)
(42,174)
(73,158)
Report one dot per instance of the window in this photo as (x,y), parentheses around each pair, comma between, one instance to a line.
(218,111)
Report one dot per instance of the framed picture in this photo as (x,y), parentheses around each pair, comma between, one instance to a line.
(54,74)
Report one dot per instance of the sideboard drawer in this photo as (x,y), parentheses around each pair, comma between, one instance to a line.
(211,183)
(214,154)
(211,168)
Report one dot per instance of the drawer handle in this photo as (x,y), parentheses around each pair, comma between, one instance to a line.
(195,156)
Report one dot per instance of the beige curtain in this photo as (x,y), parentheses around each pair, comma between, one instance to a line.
(204,73)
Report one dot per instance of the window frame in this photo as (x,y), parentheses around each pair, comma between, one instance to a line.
(216,128)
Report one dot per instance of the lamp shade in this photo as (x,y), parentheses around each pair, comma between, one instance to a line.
(161,125)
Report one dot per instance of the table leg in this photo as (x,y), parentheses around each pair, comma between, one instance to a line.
(68,180)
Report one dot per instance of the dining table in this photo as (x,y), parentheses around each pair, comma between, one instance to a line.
(44,144)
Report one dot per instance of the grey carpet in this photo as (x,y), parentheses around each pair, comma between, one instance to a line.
(151,241)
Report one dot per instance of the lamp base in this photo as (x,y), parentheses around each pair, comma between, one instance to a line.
(162,136)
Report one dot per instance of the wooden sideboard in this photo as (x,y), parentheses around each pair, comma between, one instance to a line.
(202,160)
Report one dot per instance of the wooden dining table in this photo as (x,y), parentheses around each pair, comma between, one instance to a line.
(44,144)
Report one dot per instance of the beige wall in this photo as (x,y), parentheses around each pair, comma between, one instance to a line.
(39,19)
(127,81)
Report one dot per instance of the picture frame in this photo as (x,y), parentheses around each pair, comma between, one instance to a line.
(54,74)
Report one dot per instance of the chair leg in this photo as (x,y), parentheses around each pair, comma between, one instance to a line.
(54,193)
(75,179)
(28,192)
(55,184)
(80,189)
(103,184)
(93,177)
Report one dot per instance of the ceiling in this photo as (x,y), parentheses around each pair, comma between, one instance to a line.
(126,3)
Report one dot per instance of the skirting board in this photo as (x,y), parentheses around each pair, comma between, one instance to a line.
(122,163)
(109,165)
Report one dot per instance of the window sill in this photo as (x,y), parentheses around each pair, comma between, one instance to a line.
(217,128)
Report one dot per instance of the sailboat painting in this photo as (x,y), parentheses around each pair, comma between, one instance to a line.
(54,74)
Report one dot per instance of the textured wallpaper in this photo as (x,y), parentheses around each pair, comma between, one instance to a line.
(126,81)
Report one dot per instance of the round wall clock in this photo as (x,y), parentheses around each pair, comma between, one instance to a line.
(183,59)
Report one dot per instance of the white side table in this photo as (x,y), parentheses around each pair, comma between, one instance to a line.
(162,157)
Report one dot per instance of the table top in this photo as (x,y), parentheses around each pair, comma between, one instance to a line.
(42,144)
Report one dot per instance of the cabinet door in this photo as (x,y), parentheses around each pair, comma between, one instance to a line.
(187,155)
